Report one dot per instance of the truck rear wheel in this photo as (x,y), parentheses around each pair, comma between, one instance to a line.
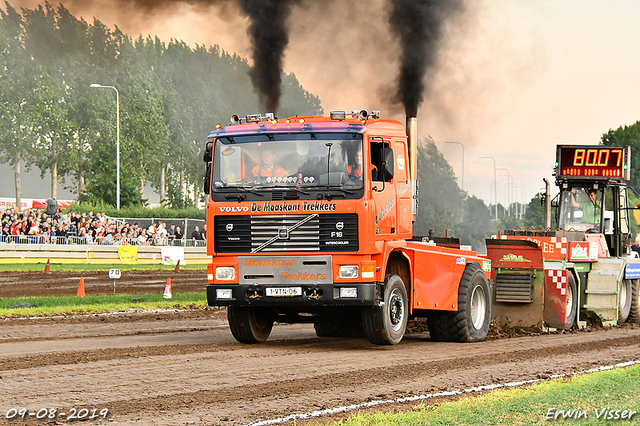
(248,324)
(471,322)
(634,312)
(386,324)
(625,297)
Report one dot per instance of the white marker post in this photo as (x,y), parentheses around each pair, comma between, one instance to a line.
(114,274)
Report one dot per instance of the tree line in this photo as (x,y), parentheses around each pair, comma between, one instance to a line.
(170,97)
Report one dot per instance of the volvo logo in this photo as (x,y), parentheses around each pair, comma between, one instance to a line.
(283,233)
(229,227)
(339,226)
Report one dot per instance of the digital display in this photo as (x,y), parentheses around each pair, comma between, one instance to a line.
(592,162)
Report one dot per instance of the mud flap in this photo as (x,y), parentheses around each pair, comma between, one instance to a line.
(555,297)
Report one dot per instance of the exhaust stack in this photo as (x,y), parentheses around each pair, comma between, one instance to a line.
(412,140)
(547,204)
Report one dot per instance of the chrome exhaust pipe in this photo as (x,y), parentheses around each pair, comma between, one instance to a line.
(412,140)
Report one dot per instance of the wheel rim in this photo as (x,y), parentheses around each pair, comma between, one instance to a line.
(624,294)
(478,307)
(567,315)
(396,309)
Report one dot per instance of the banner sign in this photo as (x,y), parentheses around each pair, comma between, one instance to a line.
(171,255)
(128,254)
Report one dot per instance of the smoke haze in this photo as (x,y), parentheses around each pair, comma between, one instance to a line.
(478,88)
(269,37)
(418,26)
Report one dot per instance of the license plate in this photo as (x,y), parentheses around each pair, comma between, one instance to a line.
(284,291)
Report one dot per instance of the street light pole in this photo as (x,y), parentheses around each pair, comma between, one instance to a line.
(523,210)
(495,182)
(509,189)
(460,143)
(117,140)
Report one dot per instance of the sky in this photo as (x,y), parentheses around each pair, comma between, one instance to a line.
(514,77)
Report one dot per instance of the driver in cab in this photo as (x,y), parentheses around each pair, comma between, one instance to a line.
(354,171)
(590,207)
(268,166)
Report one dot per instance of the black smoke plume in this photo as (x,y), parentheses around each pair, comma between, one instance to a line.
(269,37)
(418,24)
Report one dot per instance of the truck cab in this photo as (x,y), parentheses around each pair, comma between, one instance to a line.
(304,212)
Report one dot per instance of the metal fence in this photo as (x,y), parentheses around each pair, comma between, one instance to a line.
(186,225)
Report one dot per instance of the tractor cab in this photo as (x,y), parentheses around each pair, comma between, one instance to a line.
(593,195)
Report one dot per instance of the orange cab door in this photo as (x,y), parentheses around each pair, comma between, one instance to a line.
(383,191)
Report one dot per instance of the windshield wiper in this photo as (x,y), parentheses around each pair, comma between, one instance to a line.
(336,188)
(241,197)
(295,188)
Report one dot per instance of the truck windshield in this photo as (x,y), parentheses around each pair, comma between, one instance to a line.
(580,209)
(305,161)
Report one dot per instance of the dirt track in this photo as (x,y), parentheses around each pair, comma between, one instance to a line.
(17,284)
(178,368)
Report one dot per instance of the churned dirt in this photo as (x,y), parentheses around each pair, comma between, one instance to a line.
(185,368)
(18,284)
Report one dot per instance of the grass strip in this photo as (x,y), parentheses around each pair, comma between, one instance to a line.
(67,305)
(608,397)
(39,267)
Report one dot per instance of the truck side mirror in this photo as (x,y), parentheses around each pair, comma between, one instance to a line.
(388,169)
(207,152)
(207,178)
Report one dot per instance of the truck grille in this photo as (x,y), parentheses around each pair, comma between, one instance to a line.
(324,233)
(514,288)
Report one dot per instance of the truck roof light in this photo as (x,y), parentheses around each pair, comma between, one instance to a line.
(218,126)
(338,115)
(274,121)
(288,121)
(301,121)
(253,118)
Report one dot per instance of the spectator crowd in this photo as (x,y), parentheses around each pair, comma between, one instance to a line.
(35,226)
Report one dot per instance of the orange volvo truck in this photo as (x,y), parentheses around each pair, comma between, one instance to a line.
(584,264)
(310,221)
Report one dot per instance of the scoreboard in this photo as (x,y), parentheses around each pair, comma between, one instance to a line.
(593,162)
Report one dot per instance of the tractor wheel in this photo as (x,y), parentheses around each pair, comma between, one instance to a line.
(471,322)
(634,311)
(624,300)
(386,324)
(248,324)
(572,302)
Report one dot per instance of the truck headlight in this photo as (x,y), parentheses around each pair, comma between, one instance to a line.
(224,293)
(225,273)
(349,271)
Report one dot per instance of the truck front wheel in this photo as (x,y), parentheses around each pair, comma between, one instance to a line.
(248,324)
(386,324)
(471,322)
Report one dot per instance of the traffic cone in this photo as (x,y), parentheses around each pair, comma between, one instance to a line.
(81,288)
(47,268)
(167,290)
(177,269)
